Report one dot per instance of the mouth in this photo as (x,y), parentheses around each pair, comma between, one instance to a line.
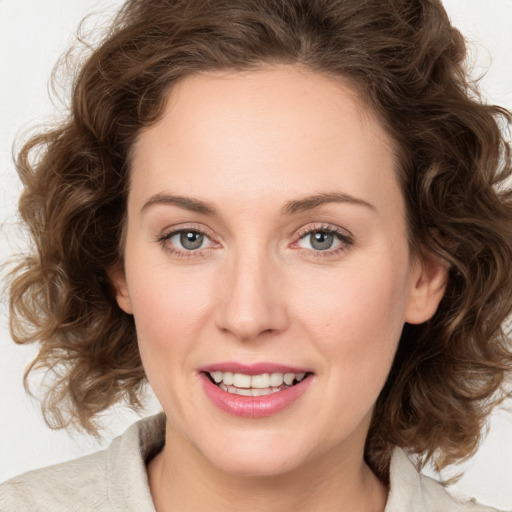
(254,391)
(255,385)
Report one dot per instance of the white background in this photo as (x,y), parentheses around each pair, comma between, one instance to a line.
(33,34)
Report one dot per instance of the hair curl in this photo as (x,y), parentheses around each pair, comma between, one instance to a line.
(407,63)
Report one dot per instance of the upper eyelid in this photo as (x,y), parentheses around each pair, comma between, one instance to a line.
(168,232)
(298,233)
(165,241)
(305,230)
(165,236)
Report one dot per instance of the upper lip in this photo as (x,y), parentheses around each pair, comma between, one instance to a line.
(253,368)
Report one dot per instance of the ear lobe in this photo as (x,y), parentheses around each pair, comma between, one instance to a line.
(118,279)
(429,279)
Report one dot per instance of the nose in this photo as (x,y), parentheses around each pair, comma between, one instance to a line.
(252,300)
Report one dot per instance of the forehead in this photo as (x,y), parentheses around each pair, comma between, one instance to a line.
(281,129)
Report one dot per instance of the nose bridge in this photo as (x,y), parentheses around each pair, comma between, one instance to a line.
(251,303)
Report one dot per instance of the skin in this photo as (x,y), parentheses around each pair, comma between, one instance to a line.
(248,144)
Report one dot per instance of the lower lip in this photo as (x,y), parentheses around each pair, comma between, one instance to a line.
(254,406)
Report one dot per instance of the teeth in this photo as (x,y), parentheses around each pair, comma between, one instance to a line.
(248,392)
(227,378)
(247,385)
(289,378)
(260,381)
(241,381)
(261,392)
(276,379)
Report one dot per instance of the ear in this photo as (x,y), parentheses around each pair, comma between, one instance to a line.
(117,277)
(428,284)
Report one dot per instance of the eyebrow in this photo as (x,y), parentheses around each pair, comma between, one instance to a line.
(291,207)
(187,203)
(312,202)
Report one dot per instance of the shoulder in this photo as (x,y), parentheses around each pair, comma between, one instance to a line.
(414,492)
(112,479)
(60,487)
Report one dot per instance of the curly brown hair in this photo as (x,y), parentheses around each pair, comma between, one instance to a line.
(407,63)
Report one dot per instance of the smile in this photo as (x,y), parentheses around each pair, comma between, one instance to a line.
(255,385)
(252,393)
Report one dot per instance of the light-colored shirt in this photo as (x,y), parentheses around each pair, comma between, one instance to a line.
(116,479)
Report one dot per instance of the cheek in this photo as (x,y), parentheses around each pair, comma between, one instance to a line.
(169,312)
(356,319)
(169,308)
(168,305)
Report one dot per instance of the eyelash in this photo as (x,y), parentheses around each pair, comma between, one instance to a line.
(343,237)
(164,239)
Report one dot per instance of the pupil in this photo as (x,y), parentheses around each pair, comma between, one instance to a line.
(191,240)
(321,240)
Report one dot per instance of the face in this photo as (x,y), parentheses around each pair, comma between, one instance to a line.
(266,240)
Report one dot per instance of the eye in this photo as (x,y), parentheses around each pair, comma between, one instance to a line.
(319,240)
(324,239)
(186,241)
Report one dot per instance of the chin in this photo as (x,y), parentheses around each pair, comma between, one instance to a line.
(253,458)
(262,465)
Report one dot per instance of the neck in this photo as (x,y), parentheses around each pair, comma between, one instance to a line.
(182,479)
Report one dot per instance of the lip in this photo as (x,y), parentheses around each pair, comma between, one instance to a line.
(252,369)
(254,406)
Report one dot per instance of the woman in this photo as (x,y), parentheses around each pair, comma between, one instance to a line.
(290,218)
